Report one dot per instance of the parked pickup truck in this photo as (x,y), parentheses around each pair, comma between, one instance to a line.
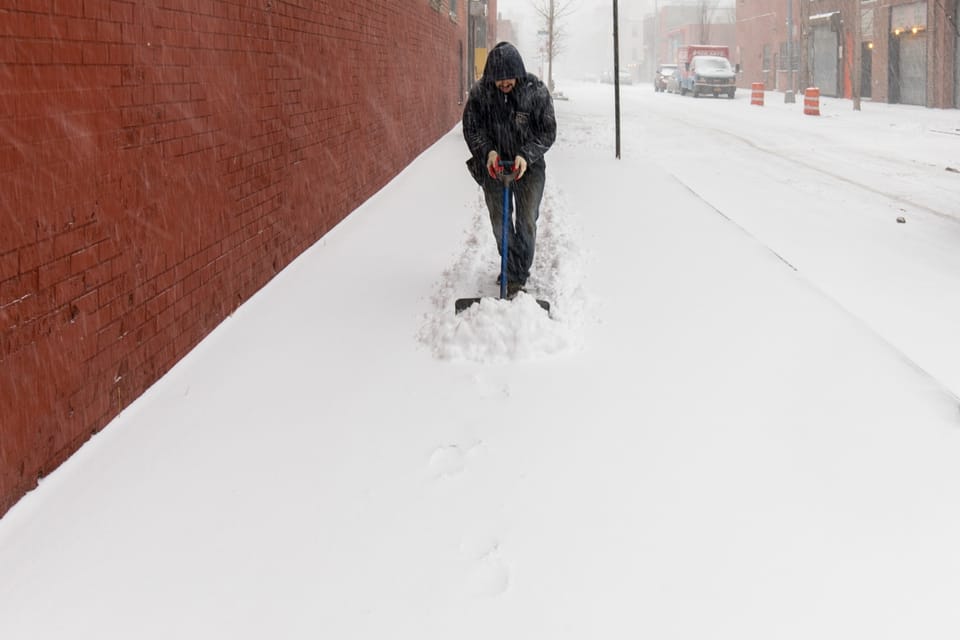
(705,69)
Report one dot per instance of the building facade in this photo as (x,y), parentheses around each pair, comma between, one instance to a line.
(674,26)
(899,51)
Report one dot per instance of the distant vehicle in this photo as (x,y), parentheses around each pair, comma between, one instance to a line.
(673,82)
(663,72)
(713,75)
(625,77)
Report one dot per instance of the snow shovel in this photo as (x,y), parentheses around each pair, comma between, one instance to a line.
(506,177)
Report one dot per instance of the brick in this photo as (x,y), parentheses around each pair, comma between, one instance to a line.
(69,242)
(72,8)
(111,291)
(95,53)
(68,290)
(9,317)
(120,54)
(108,31)
(34,52)
(65,52)
(96,9)
(121,12)
(54,272)
(50,26)
(108,336)
(132,76)
(95,233)
(83,260)
(35,6)
(9,265)
(84,30)
(133,33)
(18,24)
(97,275)
(33,304)
(33,255)
(12,290)
(8,55)
(88,303)
(172,148)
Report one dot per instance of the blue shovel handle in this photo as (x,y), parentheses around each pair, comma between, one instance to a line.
(506,177)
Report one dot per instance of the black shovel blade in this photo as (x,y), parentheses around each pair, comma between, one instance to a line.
(465,303)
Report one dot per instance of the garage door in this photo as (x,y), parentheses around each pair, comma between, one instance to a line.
(913,69)
(824,58)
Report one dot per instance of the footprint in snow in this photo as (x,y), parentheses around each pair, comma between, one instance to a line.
(488,575)
(447,461)
(450,460)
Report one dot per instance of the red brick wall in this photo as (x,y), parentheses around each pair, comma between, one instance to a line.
(760,23)
(161,160)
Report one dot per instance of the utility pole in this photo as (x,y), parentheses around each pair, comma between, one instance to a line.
(789,97)
(550,46)
(656,33)
(616,71)
(476,35)
(471,48)
(804,45)
(855,72)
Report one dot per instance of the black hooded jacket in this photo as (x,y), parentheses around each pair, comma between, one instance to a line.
(521,122)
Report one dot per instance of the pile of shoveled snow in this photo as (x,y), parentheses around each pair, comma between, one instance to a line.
(510,330)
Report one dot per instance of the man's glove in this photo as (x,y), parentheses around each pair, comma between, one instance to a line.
(519,167)
(493,165)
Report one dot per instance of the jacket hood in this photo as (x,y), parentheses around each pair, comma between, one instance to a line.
(504,62)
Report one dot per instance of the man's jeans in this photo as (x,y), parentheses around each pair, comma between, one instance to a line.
(526,194)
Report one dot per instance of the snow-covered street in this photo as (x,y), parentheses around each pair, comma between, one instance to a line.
(740,422)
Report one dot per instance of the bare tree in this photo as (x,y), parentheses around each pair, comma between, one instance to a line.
(852,21)
(804,44)
(704,18)
(552,13)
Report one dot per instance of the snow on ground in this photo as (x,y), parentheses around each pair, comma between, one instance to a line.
(740,420)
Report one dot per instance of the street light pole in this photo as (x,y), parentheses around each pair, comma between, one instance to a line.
(616,71)
(856,71)
(656,32)
(788,96)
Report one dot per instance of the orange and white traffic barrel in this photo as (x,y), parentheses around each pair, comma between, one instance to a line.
(756,96)
(811,101)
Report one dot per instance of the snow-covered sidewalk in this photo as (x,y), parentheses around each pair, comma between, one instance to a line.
(699,444)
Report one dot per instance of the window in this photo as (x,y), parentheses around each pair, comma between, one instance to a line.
(794,57)
(438,4)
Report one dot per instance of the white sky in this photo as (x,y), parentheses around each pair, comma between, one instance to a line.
(741,421)
(582,27)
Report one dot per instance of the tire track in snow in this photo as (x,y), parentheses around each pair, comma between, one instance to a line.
(867,326)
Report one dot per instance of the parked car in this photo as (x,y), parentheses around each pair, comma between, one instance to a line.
(673,82)
(663,72)
(625,77)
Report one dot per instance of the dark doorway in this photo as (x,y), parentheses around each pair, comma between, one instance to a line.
(866,69)
(908,68)
(893,70)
